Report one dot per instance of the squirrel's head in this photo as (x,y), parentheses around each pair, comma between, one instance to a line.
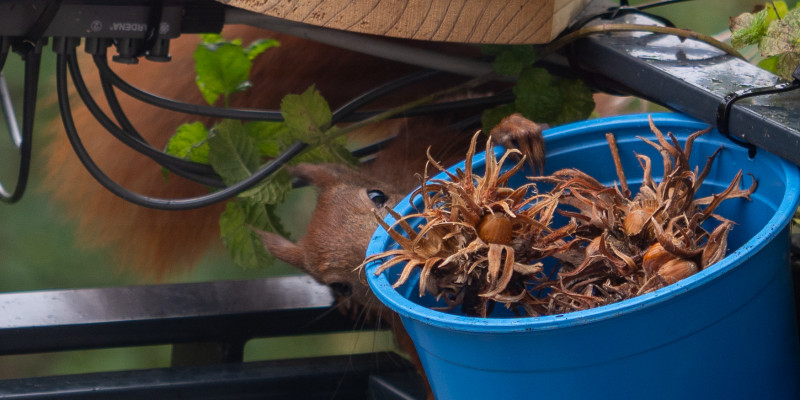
(341,226)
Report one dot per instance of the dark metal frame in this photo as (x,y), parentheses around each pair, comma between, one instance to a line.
(694,78)
(208,325)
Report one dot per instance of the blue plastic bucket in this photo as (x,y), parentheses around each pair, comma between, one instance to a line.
(728,331)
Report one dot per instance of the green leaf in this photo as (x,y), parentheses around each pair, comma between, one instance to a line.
(234,155)
(330,152)
(270,137)
(222,69)
(537,96)
(769,64)
(507,64)
(513,59)
(781,36)
(776,6)
(776,30)
(232,152)
(273,190)
(190,143)
(243,244)
(307,115)
(577,101)
(747,28)
(259,46)
(526,54)
(543,98)
(274,220)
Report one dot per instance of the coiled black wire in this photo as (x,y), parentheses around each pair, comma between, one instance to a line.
(200,173)
(30,48)
(346,113)
(124,130)
(107,74)
(32,56)
(62,64)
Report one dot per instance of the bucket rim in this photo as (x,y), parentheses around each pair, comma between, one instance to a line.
(390,297)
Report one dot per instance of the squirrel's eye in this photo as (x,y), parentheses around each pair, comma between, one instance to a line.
(377,197)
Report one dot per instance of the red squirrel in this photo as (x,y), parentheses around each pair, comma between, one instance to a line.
(342,223)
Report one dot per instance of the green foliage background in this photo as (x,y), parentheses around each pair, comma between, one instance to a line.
(37,250)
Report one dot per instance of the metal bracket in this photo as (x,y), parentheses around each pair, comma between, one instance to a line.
(694,78)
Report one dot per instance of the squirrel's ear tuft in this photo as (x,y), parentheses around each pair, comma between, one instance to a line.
(283,249)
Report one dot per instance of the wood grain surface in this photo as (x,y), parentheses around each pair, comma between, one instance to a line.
(467,21)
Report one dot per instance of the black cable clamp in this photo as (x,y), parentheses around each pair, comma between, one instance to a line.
(724,108)
(152,46)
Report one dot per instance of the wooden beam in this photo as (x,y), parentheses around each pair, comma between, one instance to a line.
(465,21)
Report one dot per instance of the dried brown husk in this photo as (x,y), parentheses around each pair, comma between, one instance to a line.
(478,239)
(630,246)
(613,246)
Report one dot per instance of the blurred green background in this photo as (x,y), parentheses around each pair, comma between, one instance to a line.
(38,250)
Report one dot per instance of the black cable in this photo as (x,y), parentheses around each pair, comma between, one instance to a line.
(343,114)
(372,148)
(30,48)
(349,109)
(200,173)
(146,201)
(116,108)
(438,108)
(172,105)
(727,103)
(32,58)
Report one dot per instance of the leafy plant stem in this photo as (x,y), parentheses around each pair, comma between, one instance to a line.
(608,28)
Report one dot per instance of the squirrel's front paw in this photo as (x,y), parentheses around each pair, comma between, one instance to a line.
(518,132)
